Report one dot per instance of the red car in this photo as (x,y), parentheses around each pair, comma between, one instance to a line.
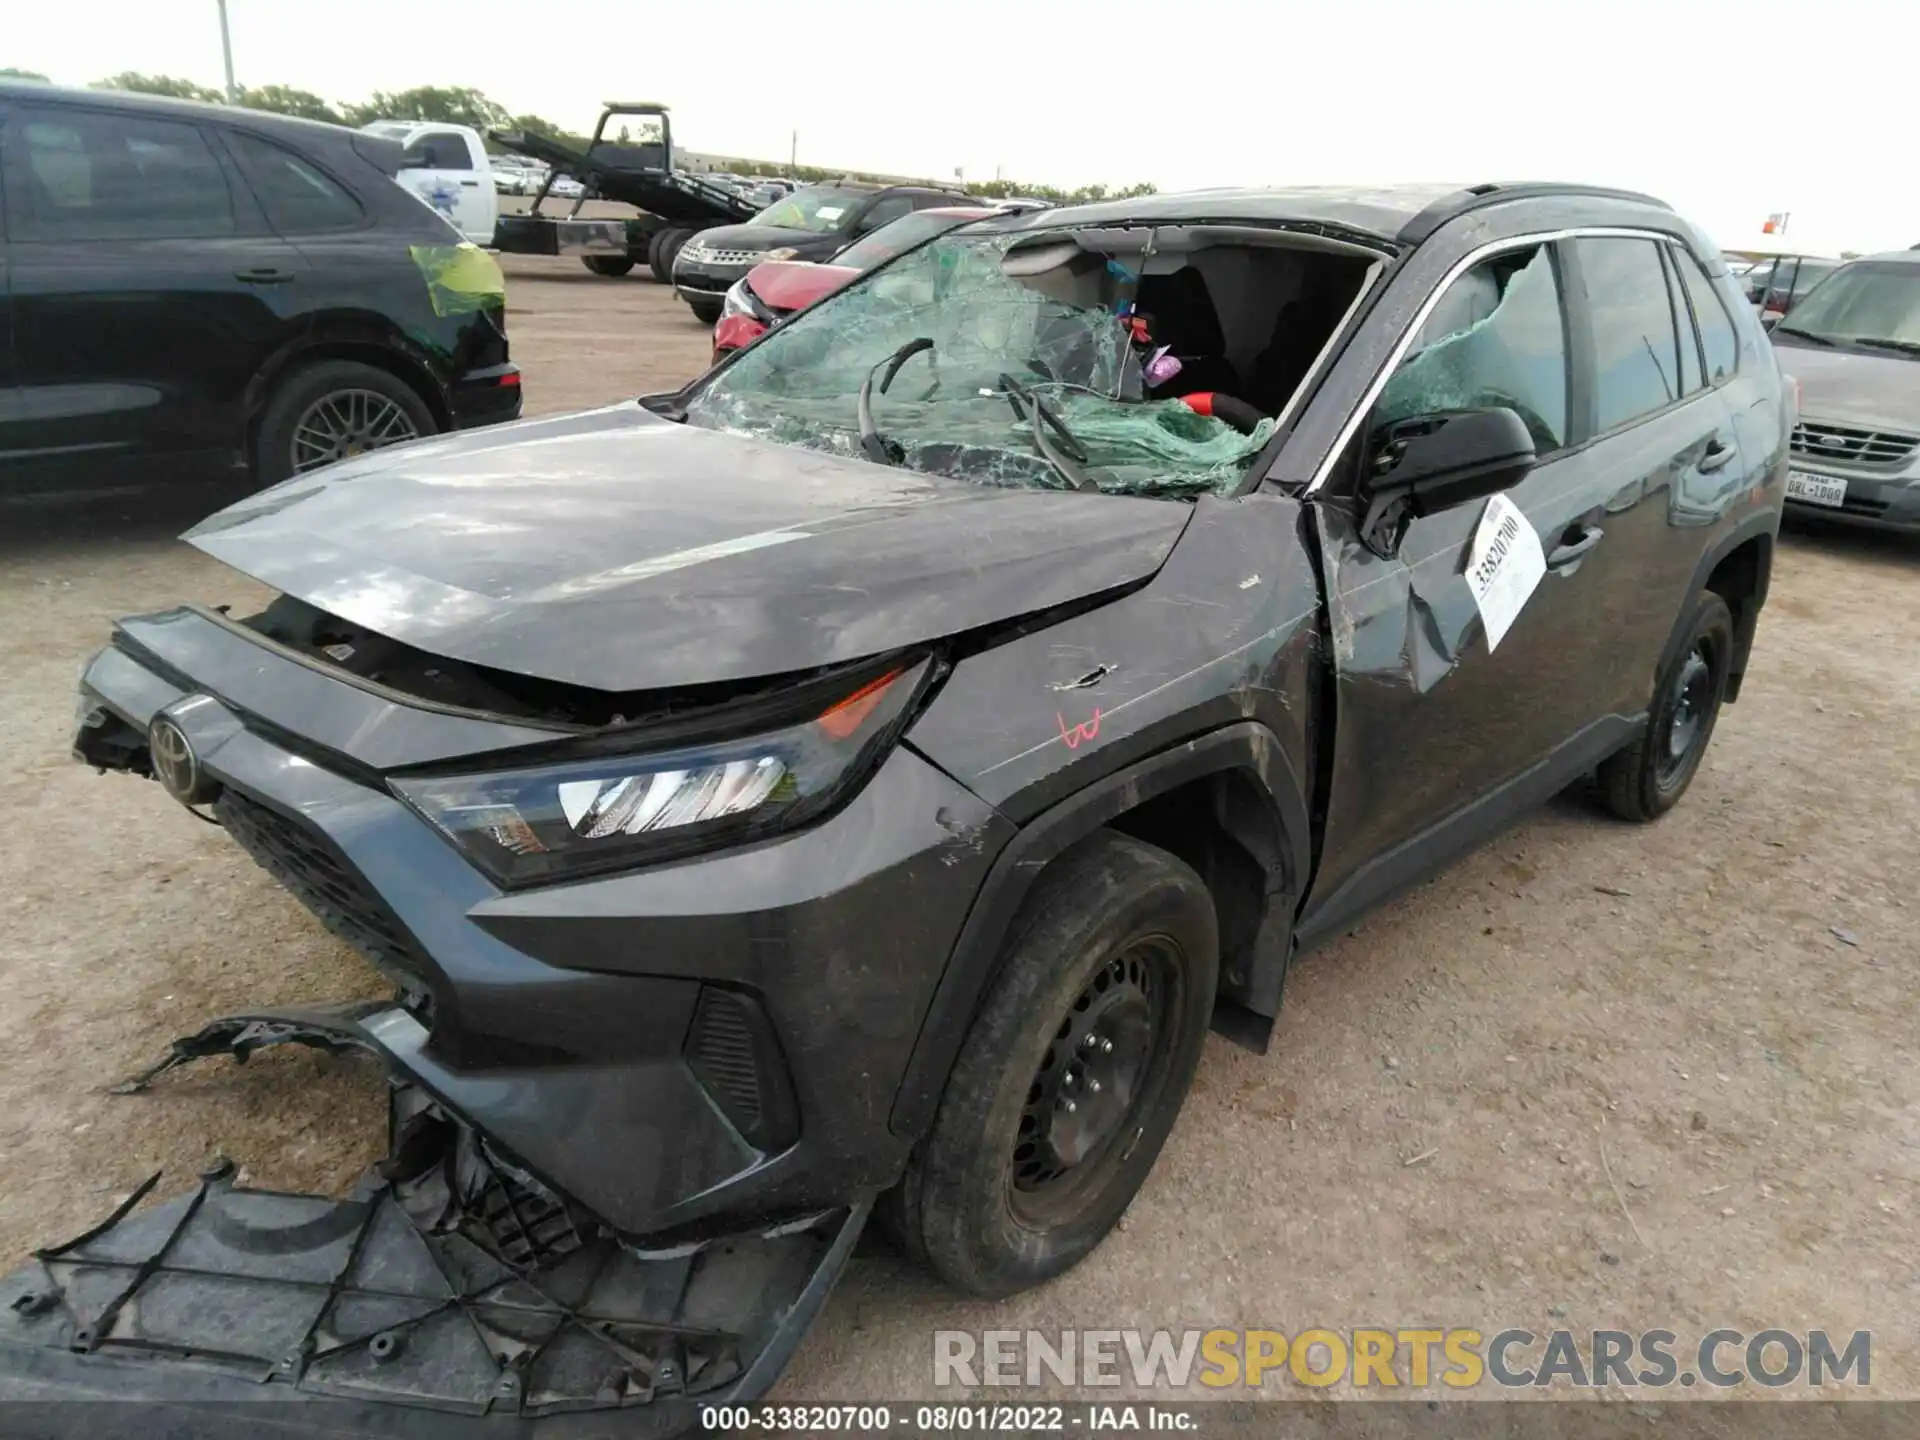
(774,289)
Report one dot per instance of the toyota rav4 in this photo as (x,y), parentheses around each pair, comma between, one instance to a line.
(862,778)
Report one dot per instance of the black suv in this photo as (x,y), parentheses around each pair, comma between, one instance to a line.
(814,223)
(187,286)
(867,774)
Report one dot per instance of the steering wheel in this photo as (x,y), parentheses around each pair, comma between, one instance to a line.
(1236,413)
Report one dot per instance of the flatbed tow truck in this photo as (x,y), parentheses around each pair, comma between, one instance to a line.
(674,204)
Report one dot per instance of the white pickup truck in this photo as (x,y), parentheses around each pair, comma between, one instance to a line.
(447,166)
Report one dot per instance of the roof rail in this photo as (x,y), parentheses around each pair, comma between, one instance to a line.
(1475,197)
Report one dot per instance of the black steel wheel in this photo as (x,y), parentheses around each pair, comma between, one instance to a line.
(1647,779)
(612,266)
(1070,1078)
(334,410)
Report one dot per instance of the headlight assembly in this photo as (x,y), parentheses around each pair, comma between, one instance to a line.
(784,252)
(742,301)
(578,817)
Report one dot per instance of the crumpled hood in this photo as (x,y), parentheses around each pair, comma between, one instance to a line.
(619,551)
(1846,387)
(787,285)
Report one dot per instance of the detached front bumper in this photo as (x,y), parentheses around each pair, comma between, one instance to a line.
(445,1285)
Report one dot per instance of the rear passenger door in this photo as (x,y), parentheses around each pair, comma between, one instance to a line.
(1663,455)
(146,286)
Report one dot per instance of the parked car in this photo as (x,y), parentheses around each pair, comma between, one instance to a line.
(863,776)
(448,167)
(192,286)
(814,223)
(1774,284)
(774,289)
(1854,347)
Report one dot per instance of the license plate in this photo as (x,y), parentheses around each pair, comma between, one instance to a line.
(1816,489)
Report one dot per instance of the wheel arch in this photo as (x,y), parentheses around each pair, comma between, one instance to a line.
(1234,785)
(348,338)
(1738,568)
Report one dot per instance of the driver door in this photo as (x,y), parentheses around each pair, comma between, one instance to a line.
(442,169)
(1441,736)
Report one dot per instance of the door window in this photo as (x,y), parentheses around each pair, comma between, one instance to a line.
(91,175)
(1690,376)
(1717,337)
(438,150)
(1497,338)
(1636,368)
(299,200)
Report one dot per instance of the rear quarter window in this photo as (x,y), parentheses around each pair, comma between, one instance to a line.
(1717,336)
(298,197)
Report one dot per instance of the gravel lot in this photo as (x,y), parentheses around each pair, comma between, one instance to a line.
(1717,1009)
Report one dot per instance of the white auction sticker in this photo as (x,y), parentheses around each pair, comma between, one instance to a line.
(1504,566)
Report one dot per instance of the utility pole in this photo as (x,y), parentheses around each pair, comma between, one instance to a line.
(793,150)
(226,53)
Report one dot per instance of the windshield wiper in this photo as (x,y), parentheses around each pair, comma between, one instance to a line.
(1905,347)
(1040,417)
(1798,333)
(880,450)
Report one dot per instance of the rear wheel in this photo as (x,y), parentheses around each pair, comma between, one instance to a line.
(654,261)
(1071,1076)
(609,265)
(670,247)
(1647,779)
(333,410)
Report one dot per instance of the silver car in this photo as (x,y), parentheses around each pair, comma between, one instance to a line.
(1854,346)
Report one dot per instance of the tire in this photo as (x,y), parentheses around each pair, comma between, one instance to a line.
(707,312)
(1647,779)
(655,262)
(612,266)
(299,396)
(1118,942)
(671,246)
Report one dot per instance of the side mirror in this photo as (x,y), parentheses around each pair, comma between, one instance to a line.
(1434,462)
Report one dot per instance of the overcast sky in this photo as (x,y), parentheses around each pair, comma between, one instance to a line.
(1727,111)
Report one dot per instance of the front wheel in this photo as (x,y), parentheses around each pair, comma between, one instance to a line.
(1070,1078)
(1647,779)
(333,410)
(707,312)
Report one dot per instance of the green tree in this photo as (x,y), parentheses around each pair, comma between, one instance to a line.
(450,105)
(8,72)
(285,100)
(159,85)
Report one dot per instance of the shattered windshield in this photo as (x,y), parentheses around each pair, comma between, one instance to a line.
(1006,359)
(821,210)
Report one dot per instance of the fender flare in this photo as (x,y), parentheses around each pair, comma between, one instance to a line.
(336,337)
(1763,526)
(974,961)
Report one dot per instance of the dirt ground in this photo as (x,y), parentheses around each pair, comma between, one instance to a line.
(1718,1010)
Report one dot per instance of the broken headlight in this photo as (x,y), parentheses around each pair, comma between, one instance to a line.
(742,301)
(574,817)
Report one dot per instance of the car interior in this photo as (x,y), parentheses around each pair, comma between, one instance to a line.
(1246,312)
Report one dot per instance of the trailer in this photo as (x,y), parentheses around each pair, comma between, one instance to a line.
(674,204)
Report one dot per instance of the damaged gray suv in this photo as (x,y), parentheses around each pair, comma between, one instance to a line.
(860,780)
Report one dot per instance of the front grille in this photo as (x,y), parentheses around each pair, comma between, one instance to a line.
(1819,441)
(323,880)
(704,256)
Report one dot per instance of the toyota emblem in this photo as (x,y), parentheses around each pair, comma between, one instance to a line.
(175,765)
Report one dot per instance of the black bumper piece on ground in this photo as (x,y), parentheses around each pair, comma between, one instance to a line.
(448,1295)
